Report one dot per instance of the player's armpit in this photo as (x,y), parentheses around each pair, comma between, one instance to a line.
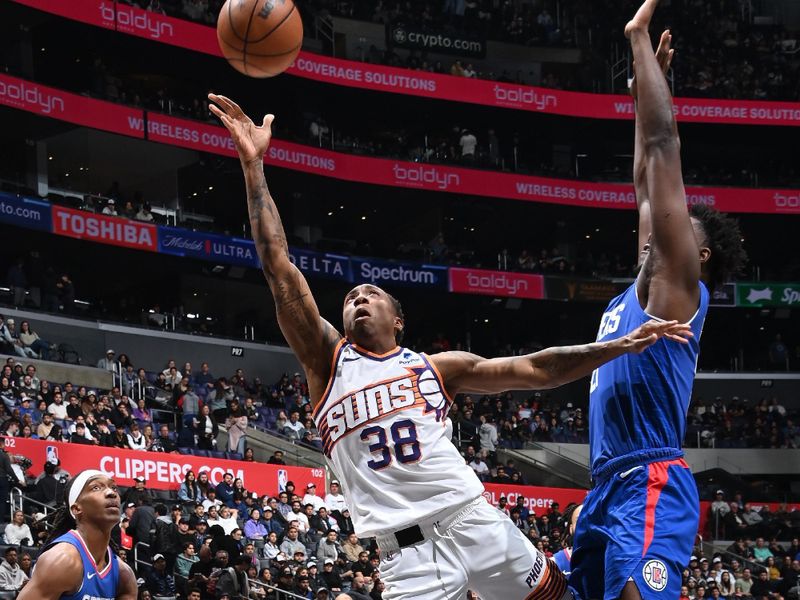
(310,336)
(127,588)
(58,571)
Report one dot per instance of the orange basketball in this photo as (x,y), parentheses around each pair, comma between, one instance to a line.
(260,38)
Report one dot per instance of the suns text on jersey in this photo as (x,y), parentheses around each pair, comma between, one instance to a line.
(369,403)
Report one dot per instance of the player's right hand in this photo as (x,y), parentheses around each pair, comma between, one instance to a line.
(648,334)
(664,56)
(251,140)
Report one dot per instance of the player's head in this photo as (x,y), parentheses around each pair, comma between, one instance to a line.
(90,498)
(719,239)
(570,520)
(372,315)
(721,253)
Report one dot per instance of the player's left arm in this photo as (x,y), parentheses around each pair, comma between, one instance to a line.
(127,588)
(464,372)
(673,287)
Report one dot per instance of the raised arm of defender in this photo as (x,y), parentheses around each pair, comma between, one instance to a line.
(672,291)
(664,56)
(469,373)
(310,336)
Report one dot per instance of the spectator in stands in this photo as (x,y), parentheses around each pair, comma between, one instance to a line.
(225,490)
(480,467)
(761,587)
(144,213)
(329,547)
(312,498)
(254,529)
(345,522)
(334,499)
(761,552)
(219,399)
(159,579)
(331,576)
(189,492)
(468,143)
(234,582)
(745,583)
(293,428)
(206,429)
(141,413)
(276,458)
(138,494)
(12,577)
(17,533)
(164,442)
(31,341)
(136,440)
(109,362)
(291,542)
(237,428)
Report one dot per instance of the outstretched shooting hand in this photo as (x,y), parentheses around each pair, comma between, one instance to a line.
(251,140)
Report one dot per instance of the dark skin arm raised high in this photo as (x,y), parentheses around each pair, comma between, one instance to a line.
(311,337)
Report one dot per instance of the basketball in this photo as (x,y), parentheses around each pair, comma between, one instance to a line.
(260,38)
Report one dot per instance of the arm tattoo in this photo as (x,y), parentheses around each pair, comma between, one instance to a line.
(265,221)
(568,363)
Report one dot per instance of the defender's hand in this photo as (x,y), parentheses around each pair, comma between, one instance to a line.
(664,56)
(648,334)
(250,139)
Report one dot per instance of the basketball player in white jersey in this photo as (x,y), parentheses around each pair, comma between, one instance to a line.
(382,414)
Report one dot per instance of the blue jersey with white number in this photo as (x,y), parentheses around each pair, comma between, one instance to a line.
(96,585)
(638,402)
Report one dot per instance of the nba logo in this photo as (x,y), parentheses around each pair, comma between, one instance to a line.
(655,575)
(283,477)
(52,455)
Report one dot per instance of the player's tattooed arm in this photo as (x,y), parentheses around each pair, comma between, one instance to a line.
(469,373)
(310,336)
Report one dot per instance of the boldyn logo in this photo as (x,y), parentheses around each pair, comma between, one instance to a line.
(519,96)
(497,282)
(30,97)
(425,176)
(787,202)
(135,20)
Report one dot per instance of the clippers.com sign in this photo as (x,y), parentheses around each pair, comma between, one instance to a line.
(161,471)
(496,283)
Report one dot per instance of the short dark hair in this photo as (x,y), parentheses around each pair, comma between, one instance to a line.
(398,310)
(724,239)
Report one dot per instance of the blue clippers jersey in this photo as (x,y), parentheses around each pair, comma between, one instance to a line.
(96,585)
(638,402)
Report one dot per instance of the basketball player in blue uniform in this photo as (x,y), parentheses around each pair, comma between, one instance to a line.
(382,409)
(639,521)
(563,558)
(77,563)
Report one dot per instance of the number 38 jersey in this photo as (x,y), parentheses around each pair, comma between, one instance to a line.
(384,429)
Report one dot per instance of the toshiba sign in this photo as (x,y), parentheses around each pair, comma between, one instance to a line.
(496,283)
(104,229)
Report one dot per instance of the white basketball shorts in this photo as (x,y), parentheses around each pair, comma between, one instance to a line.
(475,548)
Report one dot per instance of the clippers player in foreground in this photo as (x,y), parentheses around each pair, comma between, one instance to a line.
(77,562)
(639,521)
(381,411)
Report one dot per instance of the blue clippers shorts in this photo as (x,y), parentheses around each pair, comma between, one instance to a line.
(637,524)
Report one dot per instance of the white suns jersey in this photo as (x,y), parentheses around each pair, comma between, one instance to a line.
(384,428)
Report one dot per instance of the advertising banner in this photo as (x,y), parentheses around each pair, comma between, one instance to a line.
(24,212)
(384,272)
(308,159)
(317,264)
(724,295)
(93,12)
(115,231)
(72,108)
(161,471)
(538,499)
(496,283)
(401,35)
(768,294)
(207,246)
(201,38)
(584,290)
